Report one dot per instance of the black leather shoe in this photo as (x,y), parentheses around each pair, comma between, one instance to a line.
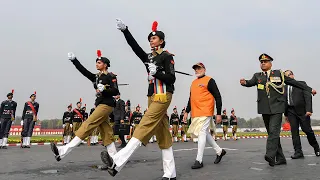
(218,158)
(165,178)
(270,160)
(55,151)
(4,147)
(280,162)
(297,156)
(197,165)
(106,158)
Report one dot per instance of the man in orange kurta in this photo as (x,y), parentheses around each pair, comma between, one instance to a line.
(204,94)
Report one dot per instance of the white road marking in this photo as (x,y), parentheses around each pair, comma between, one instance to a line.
(258,163)
(257,169)
(312,164)
(190,149)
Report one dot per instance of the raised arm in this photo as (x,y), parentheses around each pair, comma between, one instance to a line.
(83,70)
(249,83)
(135,46)
(297,84)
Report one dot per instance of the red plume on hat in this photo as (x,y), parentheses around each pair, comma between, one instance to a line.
(12,91)
(85,105)
(70,104)
(35,92)
(80,100)
(154,26)
(99,54)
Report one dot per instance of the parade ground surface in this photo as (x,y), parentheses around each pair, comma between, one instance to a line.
(244,160)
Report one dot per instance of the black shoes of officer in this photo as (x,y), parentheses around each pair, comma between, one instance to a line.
(282,162)
(197,165)
(218,158)
(106,159)
(165,178)
(297,155)
(270,160)
(55,151)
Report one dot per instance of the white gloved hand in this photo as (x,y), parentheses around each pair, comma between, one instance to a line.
(21,123)
(71,56)
(120,25)
(150,77)
(152,68)
(180,126)
(133,125)
(170,126)
(63,126)
(71,125)
(100,87)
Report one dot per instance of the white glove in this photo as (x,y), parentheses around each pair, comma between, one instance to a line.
(71,125)
(63,126)
(120,25)
(21,122)
(170,126)
(180,126)
(133,125)
(152,68)
(100,87)
(71,56)
(150,77)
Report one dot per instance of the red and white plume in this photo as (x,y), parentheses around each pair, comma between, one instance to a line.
(35,92)
(99,54)
(70,105)
(154,26)
(12,91)
(80,99)
(85,105)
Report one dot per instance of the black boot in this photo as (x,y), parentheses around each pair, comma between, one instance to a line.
(197,165)
(270,160)
(218,158)
(297,155)
(106,158)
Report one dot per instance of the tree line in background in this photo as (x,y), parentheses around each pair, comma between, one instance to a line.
(242,123)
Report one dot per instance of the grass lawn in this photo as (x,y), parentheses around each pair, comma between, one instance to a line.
(56,138)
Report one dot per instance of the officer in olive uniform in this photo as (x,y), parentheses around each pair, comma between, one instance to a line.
(234,124)
(271,104)
(67,125)
(184,126)
(225,124)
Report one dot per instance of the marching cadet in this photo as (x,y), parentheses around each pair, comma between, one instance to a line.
(127,119)
(7,115)
(271,104)
(161,76)
(29,118)
(174,121)
(67,125)
(136,118)
(77,117)
(184,126)
(94,139)
(105,84)
(225,124)
(234,124)
(204,95)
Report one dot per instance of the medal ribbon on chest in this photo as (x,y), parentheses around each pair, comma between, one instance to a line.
(159,91)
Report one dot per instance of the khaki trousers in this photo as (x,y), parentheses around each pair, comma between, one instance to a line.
(99,118)
(175,130)
(155,122)
(76,126)
(67,130)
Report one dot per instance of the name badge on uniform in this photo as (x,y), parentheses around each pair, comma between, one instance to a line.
(275,79)
(260,86)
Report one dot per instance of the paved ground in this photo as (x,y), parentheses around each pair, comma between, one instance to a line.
(244,160)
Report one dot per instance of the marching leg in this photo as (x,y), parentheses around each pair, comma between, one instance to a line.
(169,167)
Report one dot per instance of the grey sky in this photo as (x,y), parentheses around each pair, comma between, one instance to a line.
(227,36)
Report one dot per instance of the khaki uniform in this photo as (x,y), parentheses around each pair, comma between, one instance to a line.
(155,122)
(98,119)
(67,130)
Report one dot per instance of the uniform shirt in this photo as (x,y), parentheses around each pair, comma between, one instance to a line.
(162,59)
(181,120)
(174,119)
(27,111)
(136,117)
(76,117)
(8,109)
(67,117)
(224,120)
(109,80)
(233,120)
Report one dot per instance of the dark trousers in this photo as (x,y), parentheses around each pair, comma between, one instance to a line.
(304,121)
(273,126)
(5,127)
(121,133)
(28,125)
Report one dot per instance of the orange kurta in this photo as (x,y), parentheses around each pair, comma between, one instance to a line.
(201,100)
